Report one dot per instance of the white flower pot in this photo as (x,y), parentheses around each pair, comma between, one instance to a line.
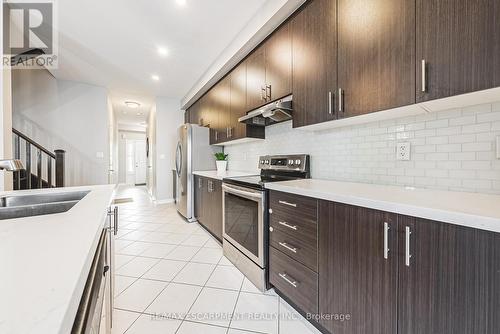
(221,166)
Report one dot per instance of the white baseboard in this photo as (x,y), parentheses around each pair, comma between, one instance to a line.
(164,201)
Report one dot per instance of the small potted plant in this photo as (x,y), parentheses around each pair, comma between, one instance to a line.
(221,161)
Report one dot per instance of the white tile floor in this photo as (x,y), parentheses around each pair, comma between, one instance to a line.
(171,278)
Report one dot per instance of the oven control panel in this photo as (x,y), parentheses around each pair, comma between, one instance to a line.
(298,162)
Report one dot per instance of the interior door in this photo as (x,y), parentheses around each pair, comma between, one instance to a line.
(449,278)
(314,44)
(459,43)
(130,161)
(376,55)
(140,162)
(357,277)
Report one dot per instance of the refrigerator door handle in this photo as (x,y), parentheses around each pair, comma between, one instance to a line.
(178,159)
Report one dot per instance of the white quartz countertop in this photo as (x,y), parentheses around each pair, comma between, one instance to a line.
(45,261)
(480,211)
(213,174)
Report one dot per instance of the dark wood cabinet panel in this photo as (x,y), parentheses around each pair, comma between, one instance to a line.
(238,100)
(256,78)
(300,249)
(208,204)
(354,277)
(221,101)
(293,205)
(297,282)
(278,50)
(376,55)
(460,43)
(452,283)
(314,43)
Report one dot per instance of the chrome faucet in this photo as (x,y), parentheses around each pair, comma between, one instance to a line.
(11,165)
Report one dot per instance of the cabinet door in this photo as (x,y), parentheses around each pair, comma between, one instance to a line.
(238,101)
(198,197)
(355,278)
(376,55)
(460,44)
(452,283)
(211,115)
(256,78)
(314,43)
(187,116)
(221,94)
(216,209)
(278,50)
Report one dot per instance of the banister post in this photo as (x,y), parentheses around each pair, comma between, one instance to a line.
(60,154)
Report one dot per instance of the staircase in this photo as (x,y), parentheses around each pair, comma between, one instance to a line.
(44,169)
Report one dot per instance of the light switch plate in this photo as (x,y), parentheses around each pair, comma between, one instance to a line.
(498,147)
(403,151)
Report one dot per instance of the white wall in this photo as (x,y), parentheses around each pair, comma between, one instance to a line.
(151,134)
(452,150)
(168,119)
(65,115)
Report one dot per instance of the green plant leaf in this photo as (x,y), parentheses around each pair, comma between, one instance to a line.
(220,156)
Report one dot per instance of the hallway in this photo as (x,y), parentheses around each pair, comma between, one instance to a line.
(171,277)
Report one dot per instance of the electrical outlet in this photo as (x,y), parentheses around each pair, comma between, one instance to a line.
(403,151)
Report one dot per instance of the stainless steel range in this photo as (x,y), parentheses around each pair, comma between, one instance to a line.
(246,217)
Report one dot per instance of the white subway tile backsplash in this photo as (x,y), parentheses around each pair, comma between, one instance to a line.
(451,149)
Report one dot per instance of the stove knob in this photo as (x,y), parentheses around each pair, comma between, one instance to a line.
(298,162)
(262,162)
(290,162)
(267,162)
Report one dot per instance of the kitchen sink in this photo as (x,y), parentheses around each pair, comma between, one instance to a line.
(19,206)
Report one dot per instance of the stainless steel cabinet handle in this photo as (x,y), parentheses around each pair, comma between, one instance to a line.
(262,93)
(293,227)
(115,217)
(330,103)
(292,282)
(200,183)
(287,203)
(290,248)
(216,136)
(424,79)
(268,92)
(386,240)
(407,245)
(341,100)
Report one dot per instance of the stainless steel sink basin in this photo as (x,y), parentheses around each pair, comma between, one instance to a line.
(18,206)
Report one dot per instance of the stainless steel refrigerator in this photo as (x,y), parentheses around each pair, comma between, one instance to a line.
(193,153)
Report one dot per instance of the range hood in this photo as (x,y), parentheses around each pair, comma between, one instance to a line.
(272,113)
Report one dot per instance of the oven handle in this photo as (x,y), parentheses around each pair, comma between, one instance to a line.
(241,192)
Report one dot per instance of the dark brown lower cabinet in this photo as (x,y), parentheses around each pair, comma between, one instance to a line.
(357,278)
(208,204)
(451,282)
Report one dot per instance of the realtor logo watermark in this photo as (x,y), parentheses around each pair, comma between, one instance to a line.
(30,34)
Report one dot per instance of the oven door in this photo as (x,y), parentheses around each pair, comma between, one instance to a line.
(243,220)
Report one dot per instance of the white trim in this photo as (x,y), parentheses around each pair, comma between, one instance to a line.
(164,201)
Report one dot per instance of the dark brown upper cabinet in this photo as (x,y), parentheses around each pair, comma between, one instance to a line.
(314,53)
(269,69)
(221,99)
(238,101)
(357,277)
(278,49)
(458,43)
(256,79)
(376,55)
(449,278)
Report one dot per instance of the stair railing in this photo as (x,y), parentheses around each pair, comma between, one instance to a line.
(34,174)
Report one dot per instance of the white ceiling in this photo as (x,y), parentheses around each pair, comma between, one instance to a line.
(128,116)
(114,43)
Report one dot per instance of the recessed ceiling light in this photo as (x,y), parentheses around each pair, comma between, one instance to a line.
(162,51)
(155,77)
(181,2)
(132,104)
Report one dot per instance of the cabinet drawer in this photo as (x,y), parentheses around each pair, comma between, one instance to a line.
(293,205)
(294,280)
(295,226)
(303,250)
